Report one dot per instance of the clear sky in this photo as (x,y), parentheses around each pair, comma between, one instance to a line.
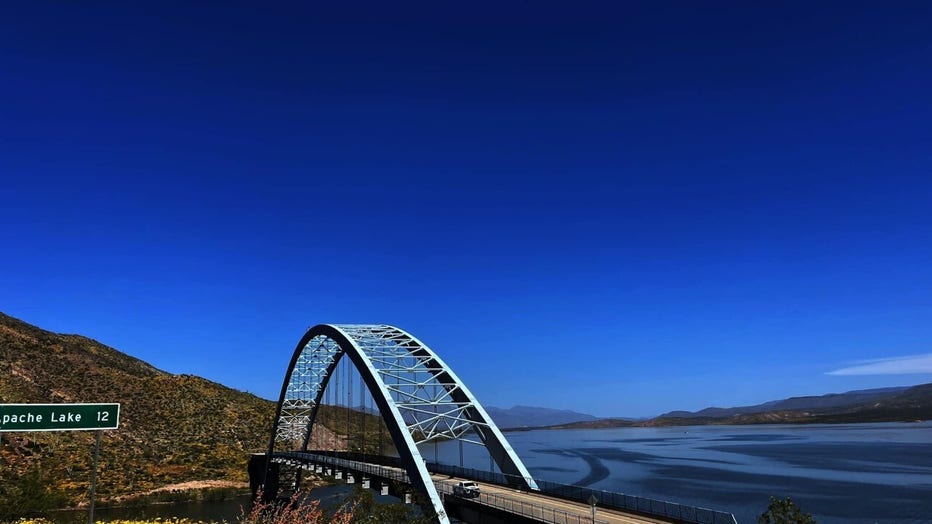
(621,208)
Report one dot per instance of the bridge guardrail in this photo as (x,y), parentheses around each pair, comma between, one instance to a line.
(372,469)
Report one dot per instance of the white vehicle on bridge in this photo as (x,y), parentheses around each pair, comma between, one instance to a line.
(466,489)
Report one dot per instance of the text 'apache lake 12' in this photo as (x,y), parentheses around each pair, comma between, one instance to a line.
(59,417)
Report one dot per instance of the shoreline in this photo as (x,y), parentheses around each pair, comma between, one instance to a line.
(586,425)
(179,492)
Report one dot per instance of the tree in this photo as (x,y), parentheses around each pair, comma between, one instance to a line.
(27,495)
(784,511)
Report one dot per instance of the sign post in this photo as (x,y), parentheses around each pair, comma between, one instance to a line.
(90,507)
(63,417)
(592,502)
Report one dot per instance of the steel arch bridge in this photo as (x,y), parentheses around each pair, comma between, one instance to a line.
(418,396)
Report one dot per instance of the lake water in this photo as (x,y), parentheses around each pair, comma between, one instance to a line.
(842,474)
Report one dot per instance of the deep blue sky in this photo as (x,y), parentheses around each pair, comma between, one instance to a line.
(620,208)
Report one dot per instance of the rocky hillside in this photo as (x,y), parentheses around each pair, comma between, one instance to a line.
(173,428)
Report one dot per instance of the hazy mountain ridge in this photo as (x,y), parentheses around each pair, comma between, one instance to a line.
(891,404)
(831,400)
(900,404)
(533,417)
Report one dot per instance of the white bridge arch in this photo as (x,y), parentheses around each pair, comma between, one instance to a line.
(418,395)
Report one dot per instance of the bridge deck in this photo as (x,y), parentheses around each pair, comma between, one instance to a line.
(541,506)
(535,504)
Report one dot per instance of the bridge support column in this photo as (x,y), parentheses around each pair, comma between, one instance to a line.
(258,466)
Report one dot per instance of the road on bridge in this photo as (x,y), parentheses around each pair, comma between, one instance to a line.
(532,503)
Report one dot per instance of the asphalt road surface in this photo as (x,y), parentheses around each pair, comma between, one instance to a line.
(551,509)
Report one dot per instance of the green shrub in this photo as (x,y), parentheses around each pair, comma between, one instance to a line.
(784,511)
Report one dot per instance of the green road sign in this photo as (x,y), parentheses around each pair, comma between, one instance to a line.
(58,417)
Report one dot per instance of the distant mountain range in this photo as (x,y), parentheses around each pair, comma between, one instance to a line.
(532,417)
(899,404)
(823,402)
(867,405)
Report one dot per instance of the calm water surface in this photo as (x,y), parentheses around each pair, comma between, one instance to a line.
(862,473)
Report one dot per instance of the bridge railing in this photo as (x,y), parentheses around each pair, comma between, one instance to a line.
(361,457)
(386,472)
(631,503)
